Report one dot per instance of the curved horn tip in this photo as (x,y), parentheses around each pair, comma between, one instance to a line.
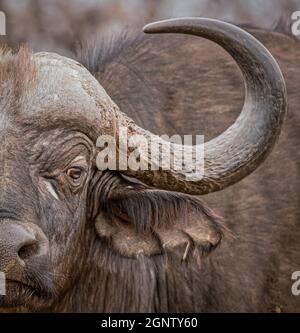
(147,29)
(164,25)
(155,27)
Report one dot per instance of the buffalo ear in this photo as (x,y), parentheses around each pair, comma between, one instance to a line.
(137,220)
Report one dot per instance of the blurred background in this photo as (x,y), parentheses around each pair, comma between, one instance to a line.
(57,24)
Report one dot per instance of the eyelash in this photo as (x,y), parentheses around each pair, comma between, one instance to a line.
(75,169)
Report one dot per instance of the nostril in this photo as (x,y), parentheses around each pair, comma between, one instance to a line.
(28,250)
(19,244)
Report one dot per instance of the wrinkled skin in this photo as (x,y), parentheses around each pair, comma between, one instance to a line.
(87,265)
(35,205)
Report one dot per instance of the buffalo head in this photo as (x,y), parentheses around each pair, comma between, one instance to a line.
(60,215)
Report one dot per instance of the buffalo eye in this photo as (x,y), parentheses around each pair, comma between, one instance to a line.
(74,173)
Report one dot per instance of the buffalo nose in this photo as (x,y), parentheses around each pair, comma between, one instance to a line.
(19,244)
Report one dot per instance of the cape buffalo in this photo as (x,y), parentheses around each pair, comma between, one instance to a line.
(77,239)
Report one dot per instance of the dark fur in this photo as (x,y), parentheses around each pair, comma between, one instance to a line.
(151,80)
(147,77)
(148,209)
